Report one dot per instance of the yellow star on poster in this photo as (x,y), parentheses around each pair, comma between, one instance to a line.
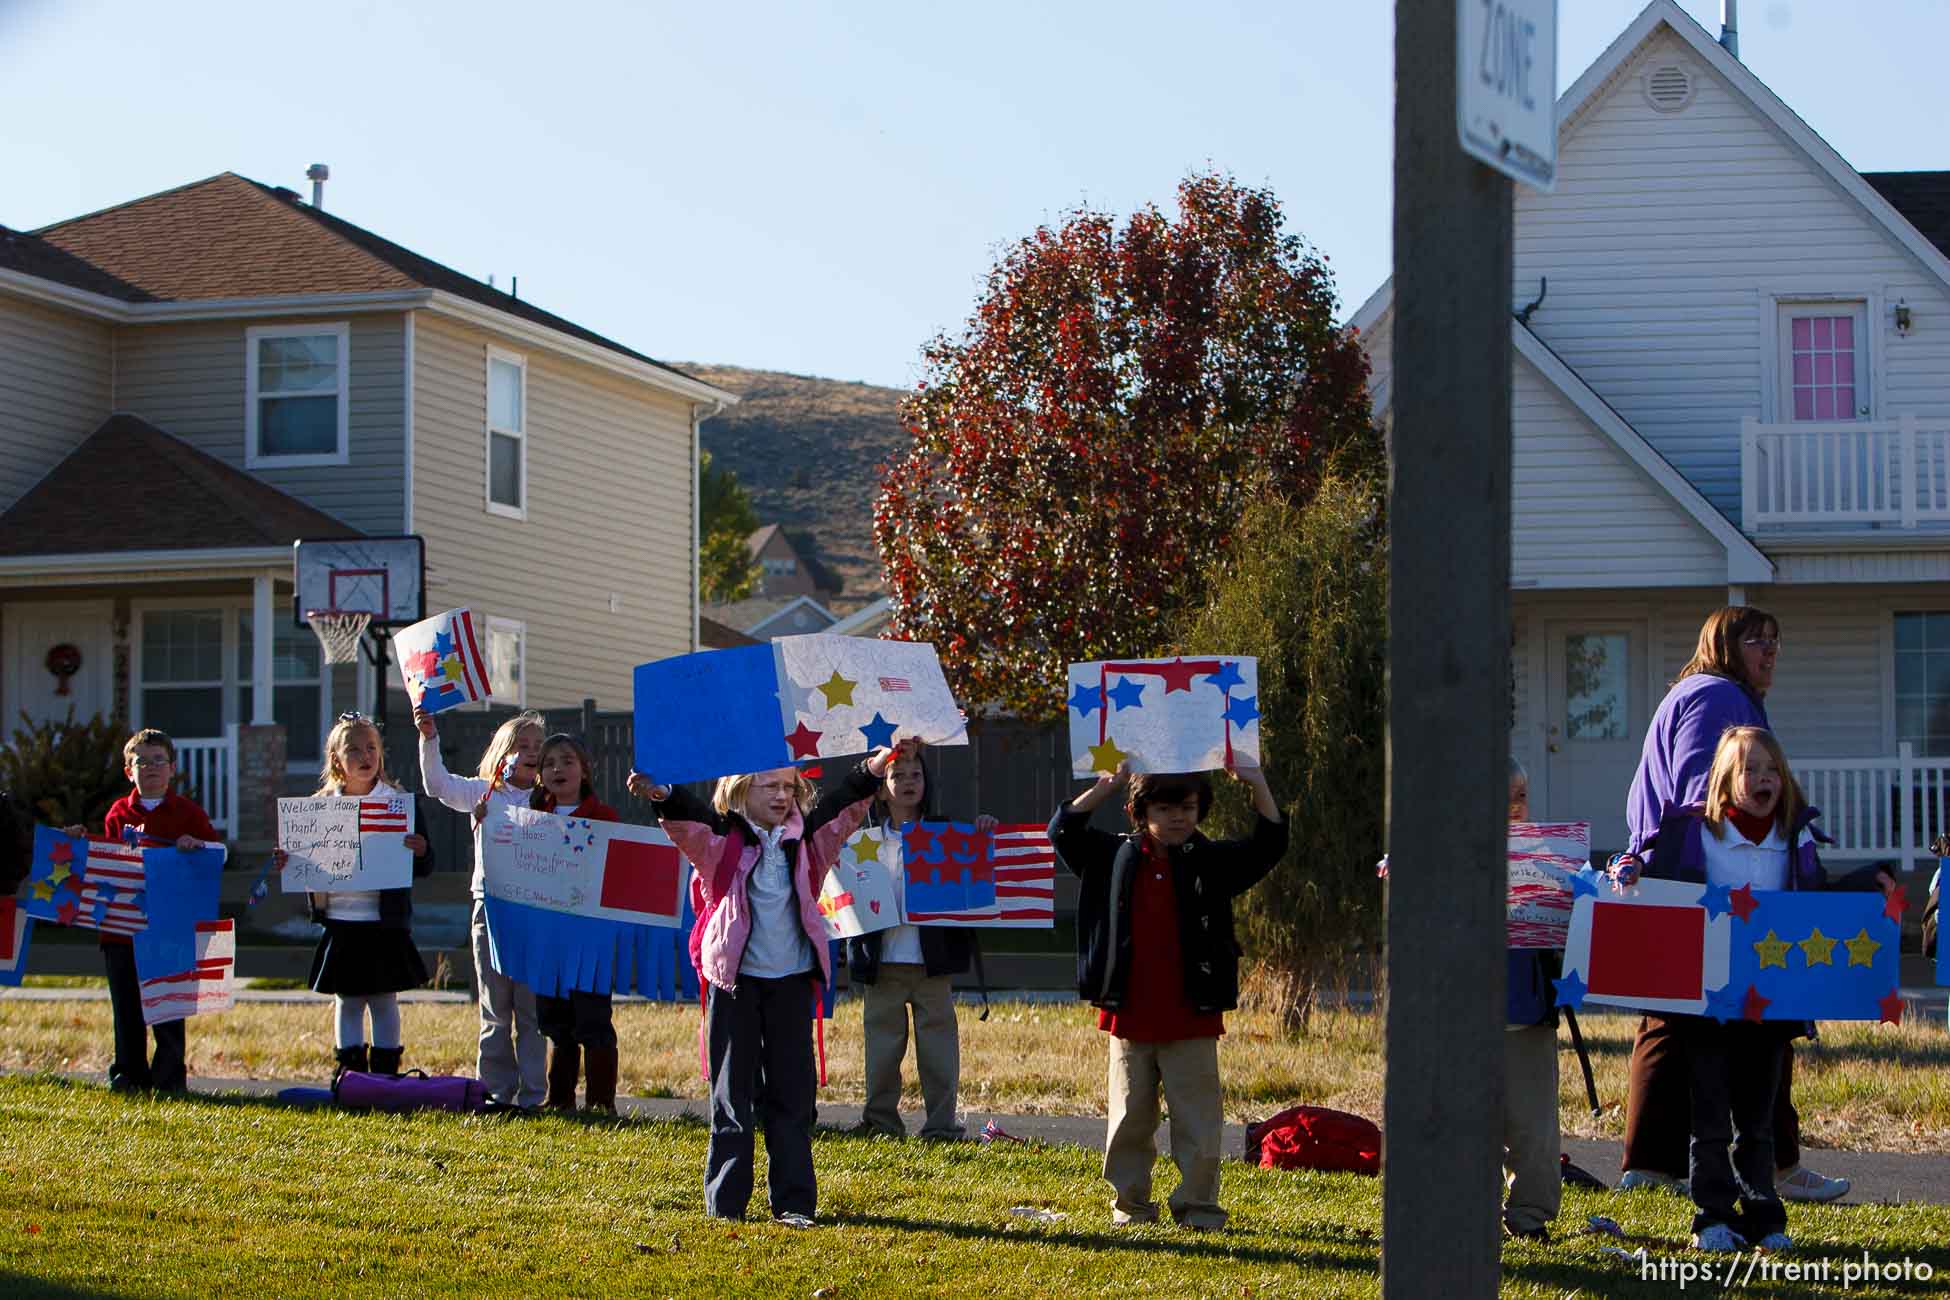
(837,690)
(43,892)
(1818,948)
(452,670)
(58,873)
(1106,757)
(866,849)
(1773,951)
(1862,949)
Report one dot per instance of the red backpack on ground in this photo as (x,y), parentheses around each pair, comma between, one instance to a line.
(1315,1137)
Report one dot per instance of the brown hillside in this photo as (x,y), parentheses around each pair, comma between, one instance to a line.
(809,451)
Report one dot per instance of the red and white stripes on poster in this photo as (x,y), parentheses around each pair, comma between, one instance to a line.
(115,873)
(383,816)
(1025,876)
(208,986)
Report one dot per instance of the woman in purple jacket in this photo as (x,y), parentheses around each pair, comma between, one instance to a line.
(1723,685)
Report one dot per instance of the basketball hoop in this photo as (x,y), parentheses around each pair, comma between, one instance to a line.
(339,631)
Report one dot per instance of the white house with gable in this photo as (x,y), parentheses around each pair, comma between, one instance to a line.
(1731,385)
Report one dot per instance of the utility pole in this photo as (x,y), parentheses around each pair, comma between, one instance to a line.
(1448,682)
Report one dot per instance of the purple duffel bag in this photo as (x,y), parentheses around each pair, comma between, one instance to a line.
(414,1090)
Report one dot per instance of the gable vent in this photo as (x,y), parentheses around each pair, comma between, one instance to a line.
(1669,87)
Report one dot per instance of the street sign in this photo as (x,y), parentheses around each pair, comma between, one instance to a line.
(1506,86)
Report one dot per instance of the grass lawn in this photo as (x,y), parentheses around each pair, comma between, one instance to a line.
(1870,1087)
(106,1194)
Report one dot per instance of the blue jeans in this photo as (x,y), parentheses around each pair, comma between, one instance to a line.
(761,1031)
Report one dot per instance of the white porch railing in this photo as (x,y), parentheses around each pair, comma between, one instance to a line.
(207,770)
(1879,808)
(1882,472)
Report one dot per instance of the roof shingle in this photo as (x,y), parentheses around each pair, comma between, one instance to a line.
(1922,197)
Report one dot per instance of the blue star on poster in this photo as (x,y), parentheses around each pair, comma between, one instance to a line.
(1814,956)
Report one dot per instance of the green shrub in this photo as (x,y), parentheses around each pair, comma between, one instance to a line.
(64,773)
(1305,589)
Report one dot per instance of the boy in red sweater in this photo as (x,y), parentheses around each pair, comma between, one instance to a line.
(163,818)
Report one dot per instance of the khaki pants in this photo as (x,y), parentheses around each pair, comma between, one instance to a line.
(1531,1141)
(937,1049)
(512,1060)
(1188,1070)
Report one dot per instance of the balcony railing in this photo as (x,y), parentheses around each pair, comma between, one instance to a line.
(1878,809)
(207,771)
(1870,473)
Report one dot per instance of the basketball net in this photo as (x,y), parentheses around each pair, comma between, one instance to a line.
(339,630)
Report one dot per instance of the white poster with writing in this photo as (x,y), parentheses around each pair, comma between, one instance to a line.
(861,892)
(587,868)
(345,842)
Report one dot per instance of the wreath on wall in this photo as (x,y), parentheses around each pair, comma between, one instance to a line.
(64,661)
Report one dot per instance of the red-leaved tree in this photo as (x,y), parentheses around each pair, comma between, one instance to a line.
(1083,450)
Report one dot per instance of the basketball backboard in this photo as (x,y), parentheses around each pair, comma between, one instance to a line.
(382,576)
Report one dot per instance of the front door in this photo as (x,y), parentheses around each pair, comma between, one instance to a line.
(38,634)
(1595,724)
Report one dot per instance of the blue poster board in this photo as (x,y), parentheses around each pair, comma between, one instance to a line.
(1813,956)
(710,714)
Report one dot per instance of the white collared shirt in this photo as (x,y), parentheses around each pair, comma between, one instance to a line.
(1734,860)
(776,945)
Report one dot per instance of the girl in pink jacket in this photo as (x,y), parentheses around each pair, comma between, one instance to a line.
(758,854)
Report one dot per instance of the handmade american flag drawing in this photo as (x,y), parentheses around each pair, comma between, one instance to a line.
(346,842)
(383,816)
(1164,715)
(955,875)
(1025,876)
(208,985)
(16,929)
(95,884)
(1671,946)
(752,708)
(440,661)
(1545,859)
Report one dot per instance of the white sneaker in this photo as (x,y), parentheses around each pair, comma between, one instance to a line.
(1804,1184)
(1719,1239)
(1776,1241)
(791,1220)
(1643,1179)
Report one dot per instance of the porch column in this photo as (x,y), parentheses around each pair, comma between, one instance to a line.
(262,636)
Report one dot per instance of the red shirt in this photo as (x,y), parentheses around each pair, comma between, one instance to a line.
(1155,1008)
(174,817)
(1754,829)
(591,809)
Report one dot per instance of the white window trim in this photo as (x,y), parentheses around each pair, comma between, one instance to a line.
(340,330)
(1772,301)
(520,435)
(233,607)
(520,629)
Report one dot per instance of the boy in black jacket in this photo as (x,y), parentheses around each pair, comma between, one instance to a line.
(1156,955)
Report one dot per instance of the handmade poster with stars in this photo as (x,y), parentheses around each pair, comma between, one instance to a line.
(440,661)
(862,891)
(1164,715)
(1671,946)
(753,708)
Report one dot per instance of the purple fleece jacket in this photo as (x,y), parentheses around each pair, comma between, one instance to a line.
(1679,748)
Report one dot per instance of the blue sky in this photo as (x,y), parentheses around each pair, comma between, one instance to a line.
(814,188)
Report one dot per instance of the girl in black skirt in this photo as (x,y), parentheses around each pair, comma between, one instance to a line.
(367,955)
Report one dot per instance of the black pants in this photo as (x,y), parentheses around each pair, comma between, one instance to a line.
(132,1067)
(1658,1116)
(763,1028)
(1736,1070)
(580,1018)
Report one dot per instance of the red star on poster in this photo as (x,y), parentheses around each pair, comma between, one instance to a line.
(958,844)
(1742,902)
(1178,675)
(804,741)
(1894,903)
(67,911)
(1892,1007)
(1755,1004)
(423,665)
(61,852)
(918,841)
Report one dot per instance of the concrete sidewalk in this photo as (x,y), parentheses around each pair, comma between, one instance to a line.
(1878,1177)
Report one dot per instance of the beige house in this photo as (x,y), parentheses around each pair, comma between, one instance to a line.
(196,379)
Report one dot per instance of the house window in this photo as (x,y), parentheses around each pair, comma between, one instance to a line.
(295,395)
(507,437)
(1824,356)
(779,568)
(506,650)
(298,686)
(1595,685)
(182,672)
(1923,681)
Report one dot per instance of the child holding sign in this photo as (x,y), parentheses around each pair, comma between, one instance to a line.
(366,956)
(1155,953)
(578,1023)
(512,1059)
(1532,1139)
(759,852)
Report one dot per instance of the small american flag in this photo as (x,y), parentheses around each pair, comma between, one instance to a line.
(992,1132)
(382,816)
(893,684)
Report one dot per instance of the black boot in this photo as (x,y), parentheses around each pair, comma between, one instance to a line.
(385,1060)
(350,1058)
(564,1063)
